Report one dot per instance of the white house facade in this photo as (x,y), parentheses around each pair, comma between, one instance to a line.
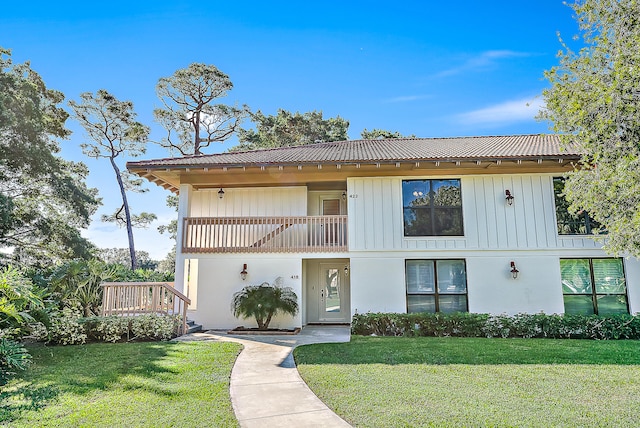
(472,224)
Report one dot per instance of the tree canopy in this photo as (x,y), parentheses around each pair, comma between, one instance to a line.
(44,200)
(192,120)
(287,129)
(594,104)
(380,134)
(112,131)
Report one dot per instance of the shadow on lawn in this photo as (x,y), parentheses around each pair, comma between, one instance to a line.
(82,369)
(472,351)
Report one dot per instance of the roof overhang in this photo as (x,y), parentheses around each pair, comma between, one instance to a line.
(285,174)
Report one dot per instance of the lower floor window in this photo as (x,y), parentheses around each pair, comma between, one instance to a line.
(436,286)
(594,286)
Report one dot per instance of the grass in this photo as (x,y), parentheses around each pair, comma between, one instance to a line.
(411,382)
(125,384)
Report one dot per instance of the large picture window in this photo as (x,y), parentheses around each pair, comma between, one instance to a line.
(594,286)
(571,224)
(432,207)
(436,286)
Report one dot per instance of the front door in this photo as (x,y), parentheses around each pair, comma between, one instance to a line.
(332,293)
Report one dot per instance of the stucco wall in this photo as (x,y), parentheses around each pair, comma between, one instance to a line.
(218,278)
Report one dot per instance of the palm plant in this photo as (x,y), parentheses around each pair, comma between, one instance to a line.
(19,302)
(78,284)
(264,301)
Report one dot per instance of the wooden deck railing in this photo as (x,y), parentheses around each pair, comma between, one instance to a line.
(135,298)
(265,234)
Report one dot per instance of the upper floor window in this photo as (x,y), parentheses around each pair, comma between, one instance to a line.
(594,286)
(571,224)
(432,207)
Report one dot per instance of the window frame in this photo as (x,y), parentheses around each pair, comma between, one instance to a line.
(594,294)
(436,293)
(432,208)
(582,219)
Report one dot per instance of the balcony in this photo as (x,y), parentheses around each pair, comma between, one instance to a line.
(303,234)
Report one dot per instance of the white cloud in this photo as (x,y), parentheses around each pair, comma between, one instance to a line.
(482,61)
(507,112)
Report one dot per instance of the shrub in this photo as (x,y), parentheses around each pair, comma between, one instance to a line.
(67,328)
(13,356)
(153,326)
(107,329)
(464,324)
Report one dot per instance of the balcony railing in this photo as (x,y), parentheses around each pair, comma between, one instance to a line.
(265,234)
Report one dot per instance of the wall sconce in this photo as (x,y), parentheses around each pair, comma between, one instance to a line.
(514,271)
(243,273)
(344,196)
(346,270)
(220,193)
(509,197)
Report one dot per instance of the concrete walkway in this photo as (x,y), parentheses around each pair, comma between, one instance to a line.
(266,389)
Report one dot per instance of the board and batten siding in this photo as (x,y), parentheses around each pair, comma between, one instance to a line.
(250,202)
(376,217)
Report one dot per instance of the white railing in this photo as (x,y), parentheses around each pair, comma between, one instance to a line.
(135,298)
(265,234)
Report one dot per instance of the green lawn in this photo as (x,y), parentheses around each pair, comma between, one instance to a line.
(407,382)
(182,384)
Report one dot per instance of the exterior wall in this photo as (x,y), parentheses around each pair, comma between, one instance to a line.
(494,234)
(218,278)
(376,218)
(263,201)
(378,280)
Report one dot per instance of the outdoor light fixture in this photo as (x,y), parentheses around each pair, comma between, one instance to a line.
(220,193)
(514,271)
(344,196)
(509,197)
(346,270)
(243,273)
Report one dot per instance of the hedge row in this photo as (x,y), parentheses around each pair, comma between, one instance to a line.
(484,325)
(69,328)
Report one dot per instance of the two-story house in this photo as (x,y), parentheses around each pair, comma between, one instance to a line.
(473,224)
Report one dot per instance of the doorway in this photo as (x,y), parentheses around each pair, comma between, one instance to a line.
(328,291)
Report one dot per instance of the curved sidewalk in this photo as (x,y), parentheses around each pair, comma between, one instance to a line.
(266,389)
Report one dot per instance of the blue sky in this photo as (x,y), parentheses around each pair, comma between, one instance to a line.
(426,68)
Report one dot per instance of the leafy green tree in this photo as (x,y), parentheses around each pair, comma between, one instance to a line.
(594,104)
(168,264)
(121,256)
(172,228)
(286,129)
(113,131)
(264,301)
(44,200)
(381,134)
(189,115)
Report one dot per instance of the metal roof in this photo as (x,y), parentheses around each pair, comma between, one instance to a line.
(384,150)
